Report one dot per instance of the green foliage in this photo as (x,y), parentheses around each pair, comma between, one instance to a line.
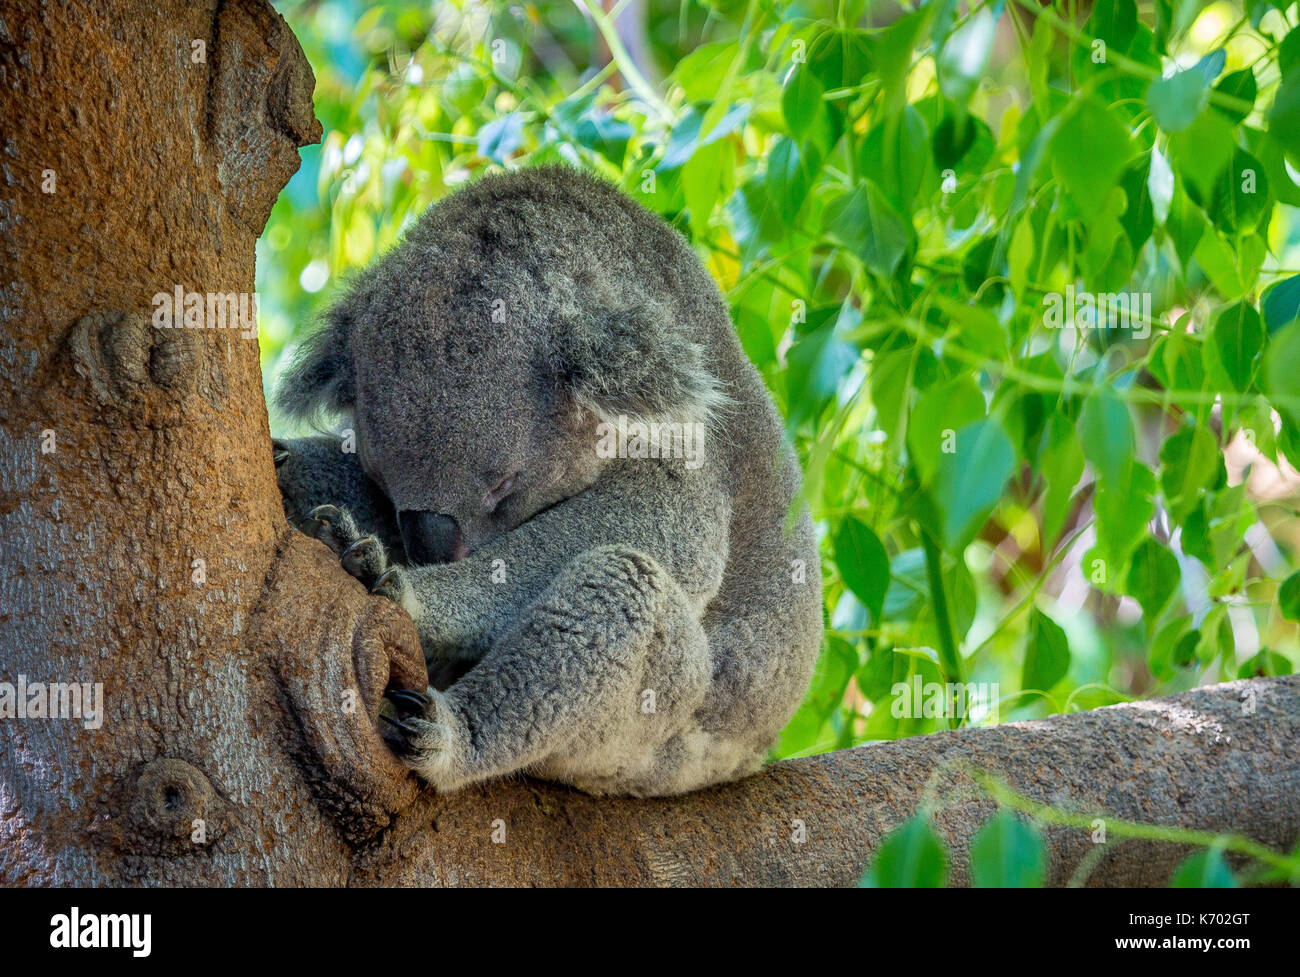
(1007,853)
(909,857)
(1203,870)
(919,218)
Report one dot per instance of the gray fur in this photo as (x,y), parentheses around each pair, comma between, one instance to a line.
(601,587)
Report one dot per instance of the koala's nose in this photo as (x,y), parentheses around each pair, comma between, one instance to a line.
(430,537)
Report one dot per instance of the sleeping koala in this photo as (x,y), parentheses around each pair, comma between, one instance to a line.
(571,477)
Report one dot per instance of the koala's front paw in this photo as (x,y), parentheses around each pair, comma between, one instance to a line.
(419,727)
(361,555)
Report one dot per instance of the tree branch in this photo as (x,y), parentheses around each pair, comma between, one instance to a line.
(1219,759)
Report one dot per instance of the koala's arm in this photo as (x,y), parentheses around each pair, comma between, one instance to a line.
(316,471)
(679,519)
(588,621)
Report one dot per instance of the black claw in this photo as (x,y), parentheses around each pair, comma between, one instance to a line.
(413,700)
(398,736)
(404,727)
(319,513)
(381,579)
(352,546)
(280,458)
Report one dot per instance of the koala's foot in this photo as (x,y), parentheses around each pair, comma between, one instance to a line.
(361,555)
(422,731)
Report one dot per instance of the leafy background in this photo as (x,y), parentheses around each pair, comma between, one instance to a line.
(886,193)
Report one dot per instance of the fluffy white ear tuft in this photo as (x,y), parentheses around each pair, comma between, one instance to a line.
(636,364)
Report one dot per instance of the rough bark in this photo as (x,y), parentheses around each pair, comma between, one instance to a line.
(131,453)
(241,700)
(1220,759)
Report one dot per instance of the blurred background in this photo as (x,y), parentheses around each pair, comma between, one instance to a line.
(889,195)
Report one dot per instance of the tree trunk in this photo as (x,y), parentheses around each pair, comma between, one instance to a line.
(144,550)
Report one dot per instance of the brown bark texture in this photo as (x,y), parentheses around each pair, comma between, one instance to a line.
(142,547)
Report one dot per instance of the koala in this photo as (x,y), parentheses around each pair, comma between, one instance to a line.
(569,474)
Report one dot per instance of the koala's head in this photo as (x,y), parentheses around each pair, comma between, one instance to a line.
(476,398)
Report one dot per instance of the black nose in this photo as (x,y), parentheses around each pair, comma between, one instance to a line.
(430,537)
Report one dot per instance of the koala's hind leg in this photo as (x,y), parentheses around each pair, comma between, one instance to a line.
(597,684)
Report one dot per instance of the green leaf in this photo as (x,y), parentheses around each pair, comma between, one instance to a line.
(970,480)
(791,170)
(1192,463)
(1106,428)
(1153,576)
(869,227)
(1161,649)
(1088,152)
(810,119)
(1173,17)
(1288,597)
(834,671)
(1115,22)
(890,379)
(910,857)
(895,155)
(818,362)
(464,88)
(686,139)
(1232,266)
(1176,101)
(1062,466)
(1280,304)
(1184,652)
(1201,152)
(963,144)
(701,178)
(1007,854)
(934,421)
(840,58)
(1139,211)
(1203,870)
(1240,85)
(701,72)
(893,53)
(1232,350)
(1281,368)
(1047,653)
(605,134)
(863,565)
(963,57)
(499,139)
(1186,226)
(1241,194)
(1284,116)
(1281,182)
(1264,663)
(1123,511)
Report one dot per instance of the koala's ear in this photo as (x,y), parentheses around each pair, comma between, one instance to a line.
(320,379)
(637,362)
